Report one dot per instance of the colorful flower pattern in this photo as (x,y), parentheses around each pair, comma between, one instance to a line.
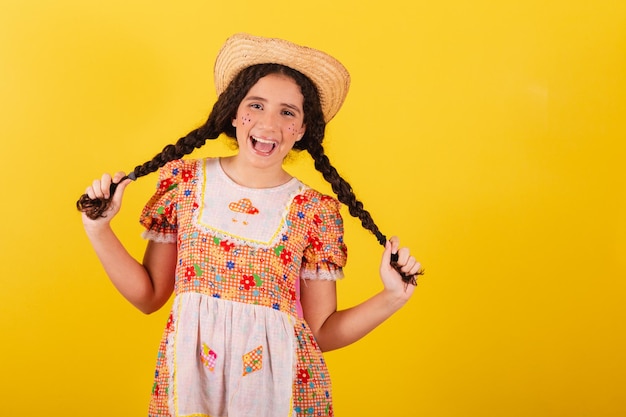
(226,269)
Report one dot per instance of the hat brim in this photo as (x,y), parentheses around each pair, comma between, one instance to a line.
(243,50)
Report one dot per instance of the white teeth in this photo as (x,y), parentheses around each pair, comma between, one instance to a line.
(263,145)
(262,140)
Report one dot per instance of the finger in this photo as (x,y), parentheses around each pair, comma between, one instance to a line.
(118,192)
(90,192)
(105,185)
(115,181)
(409,266)
(403,256)
(97,189)
(117,177)
(395,243)
(387,252)
(416,269)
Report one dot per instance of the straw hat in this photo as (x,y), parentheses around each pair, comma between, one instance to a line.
(243,50)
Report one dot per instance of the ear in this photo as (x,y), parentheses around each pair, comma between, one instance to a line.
(234,122)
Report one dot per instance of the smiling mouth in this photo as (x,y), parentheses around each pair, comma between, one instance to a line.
(262,145)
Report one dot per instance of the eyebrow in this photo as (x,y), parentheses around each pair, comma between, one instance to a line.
(264,100)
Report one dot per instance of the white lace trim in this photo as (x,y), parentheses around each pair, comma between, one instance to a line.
(321,274)
(159,237)
(201,166)
(169,353)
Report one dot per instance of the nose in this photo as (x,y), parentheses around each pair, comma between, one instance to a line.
(269,121)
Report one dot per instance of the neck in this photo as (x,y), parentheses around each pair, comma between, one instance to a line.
(253,177)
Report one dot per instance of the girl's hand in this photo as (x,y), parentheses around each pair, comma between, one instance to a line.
(101,189)
(392,280)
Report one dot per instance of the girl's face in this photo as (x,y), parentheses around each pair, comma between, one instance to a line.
(270,120)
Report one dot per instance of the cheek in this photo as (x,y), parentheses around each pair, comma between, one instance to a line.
(293,130)
(245,119)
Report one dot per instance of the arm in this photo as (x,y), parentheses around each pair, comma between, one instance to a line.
(146,285)
(335,329)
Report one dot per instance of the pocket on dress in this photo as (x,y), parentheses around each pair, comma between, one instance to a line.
(253,361)
(208,357)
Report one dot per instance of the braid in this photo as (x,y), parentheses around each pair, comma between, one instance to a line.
(345,194)
(219,121)
(344,191)
(95,208)
(184,146)
(312,143)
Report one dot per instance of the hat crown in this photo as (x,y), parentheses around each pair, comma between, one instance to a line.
(243,50)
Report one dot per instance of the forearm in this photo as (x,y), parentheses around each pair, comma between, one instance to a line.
(335,329)
(128,276)
(344,327)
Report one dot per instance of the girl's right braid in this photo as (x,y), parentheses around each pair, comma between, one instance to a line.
(219,121)
(95,208)
(182,147)
(344,191)
(345,194)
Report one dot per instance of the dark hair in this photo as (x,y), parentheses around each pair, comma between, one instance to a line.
(220,121)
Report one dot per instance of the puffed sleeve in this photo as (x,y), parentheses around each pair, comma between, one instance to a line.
(326,253)
(159,216)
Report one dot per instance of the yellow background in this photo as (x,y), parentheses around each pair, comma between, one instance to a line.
(489,135)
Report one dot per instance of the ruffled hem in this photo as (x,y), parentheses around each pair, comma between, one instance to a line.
(159,237)
(326,274)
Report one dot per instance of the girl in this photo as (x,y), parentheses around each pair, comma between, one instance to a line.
(251,253)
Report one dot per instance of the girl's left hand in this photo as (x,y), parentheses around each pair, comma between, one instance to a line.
(392,280)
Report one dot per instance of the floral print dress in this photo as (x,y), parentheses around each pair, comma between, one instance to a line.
(236,343)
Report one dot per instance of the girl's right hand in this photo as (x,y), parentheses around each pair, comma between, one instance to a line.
(101,189)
